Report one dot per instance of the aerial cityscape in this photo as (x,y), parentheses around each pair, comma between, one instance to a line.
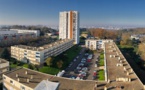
(72,45)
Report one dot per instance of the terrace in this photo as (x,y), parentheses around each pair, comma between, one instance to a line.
(36,77)
(43,47)
(119,71)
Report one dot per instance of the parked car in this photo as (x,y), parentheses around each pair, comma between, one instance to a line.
(83,61)
(81,64)
(74,60)
(76,71)
(78,68)
(86,64)
(94,77)
(89,60)
(70,64)
(95,65)
(83,74)
(84,69)
(86,54)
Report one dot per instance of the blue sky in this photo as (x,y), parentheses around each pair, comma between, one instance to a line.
(92,12)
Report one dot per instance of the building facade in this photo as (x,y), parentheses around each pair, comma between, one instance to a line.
(69,26)
(22,79)
(4,66)
(14,35)
(26,79)
(95,44)
(36,32)
(38,55)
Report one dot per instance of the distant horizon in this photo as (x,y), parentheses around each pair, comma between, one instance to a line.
(103,27)
(116,13)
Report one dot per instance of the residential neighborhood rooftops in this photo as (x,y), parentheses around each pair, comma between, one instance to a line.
(22,75)
(32,78)
(2,61)
(44,46)
(118,69)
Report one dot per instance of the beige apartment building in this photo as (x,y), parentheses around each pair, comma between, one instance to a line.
(95,44)
(4,66)
(22,79)
(38,55)
(26,79)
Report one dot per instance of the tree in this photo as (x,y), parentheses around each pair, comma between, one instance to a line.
(125,39)
(5,54)
(31,66)
(141,51)
(142,39)
(103,34)
(60,64)
(49,61)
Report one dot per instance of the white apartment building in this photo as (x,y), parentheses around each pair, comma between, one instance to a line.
(4,66)
(15,35)
(38,55)
(95,44)
(69,26)
(36,32)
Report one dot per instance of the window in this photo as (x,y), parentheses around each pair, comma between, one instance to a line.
(4,77)
(37,52)
(38,56)
(37,60)
(22,88)
(11,82)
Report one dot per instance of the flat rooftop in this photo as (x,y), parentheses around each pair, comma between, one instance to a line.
(98,39)
(65,83)
(44,46)
(114,71)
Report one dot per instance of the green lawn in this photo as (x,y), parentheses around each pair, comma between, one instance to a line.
(72,52)
(101,75)
(25,65)
(49,70)
(101,61)
(125,46)
(13,65)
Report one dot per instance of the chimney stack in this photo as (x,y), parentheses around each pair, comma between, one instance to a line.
(26,72)
(31,77)
(17,74)
(18,80)
(27,80)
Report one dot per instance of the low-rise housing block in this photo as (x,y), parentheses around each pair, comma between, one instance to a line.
(38,55)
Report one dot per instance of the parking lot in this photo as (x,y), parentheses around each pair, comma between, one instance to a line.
(93,67)
(83,67)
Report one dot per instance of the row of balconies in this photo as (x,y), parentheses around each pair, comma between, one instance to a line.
(57,50)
